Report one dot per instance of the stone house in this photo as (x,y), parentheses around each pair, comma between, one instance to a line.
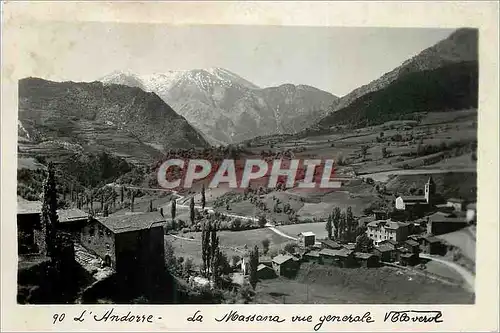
(412,246)
(307,238)
(442,223)
(285,265)
(385,253)
(265,272)
(132,245)
(341,258)
(366,259)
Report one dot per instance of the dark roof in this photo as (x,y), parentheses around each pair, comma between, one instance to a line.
(411,242)
(413,198)
(390,241)
(132,222)
(384,248)
(280,259)
(431,239)
(363,255)
(444,217)
(330,243)
(28,207)
(456,200)
(71,215)
(335,253)
(312,254)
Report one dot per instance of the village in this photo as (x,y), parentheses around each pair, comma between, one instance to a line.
(133,245)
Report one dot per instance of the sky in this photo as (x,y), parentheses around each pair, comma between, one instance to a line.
(334,59)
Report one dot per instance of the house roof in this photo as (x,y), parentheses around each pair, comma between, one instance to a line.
(28,207)
(71,215)
(307,233)
(456,200)
(330,243)
(312,254)
(363,255)
(411,242)
(431,239)
(413,198)
(384,248)
(390,241)
(126,223)
(335,253)
(280,259)
(350,246)
(262,266)
(445,217)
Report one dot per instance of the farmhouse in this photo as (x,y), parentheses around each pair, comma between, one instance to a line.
(441,223)
(432,245)
(389,242)
(387,230)
(385,253)
(340,258)
(285,265)
(408,259)
(366,259)
(265,272)
(307,238)
(132,245)
(31,238)
(411,245)
(312,256)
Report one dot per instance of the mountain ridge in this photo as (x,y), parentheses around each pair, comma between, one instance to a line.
(227,108)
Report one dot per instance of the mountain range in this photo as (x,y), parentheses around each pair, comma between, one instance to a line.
(227,108)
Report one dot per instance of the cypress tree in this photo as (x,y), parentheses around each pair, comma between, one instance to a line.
(49,218)
(203,199)
(173,209)
(254,263)
(191,210)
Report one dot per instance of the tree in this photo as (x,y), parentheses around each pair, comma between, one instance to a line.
(191,210)
(254,263)
(262,221)
(150,205)
(364,243)
(342,227)
(350,224)
(49,218)
(173,208)
(385,152)
(122,193)
(364,151)
(336,221)
(328,226)
(265,245)
(132,199)
(203,199)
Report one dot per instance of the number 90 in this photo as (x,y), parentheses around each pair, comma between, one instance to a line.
(58,318)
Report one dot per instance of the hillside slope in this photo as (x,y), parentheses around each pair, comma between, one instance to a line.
(91,116)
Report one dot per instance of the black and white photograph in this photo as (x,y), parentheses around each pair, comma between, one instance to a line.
(395,109)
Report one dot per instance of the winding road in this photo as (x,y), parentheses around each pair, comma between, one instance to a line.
(468,277)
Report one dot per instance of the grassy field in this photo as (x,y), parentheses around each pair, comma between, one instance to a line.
(332,285)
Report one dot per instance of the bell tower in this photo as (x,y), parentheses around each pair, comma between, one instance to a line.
(430,190)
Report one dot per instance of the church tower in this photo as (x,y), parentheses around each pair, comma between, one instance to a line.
(430,190)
